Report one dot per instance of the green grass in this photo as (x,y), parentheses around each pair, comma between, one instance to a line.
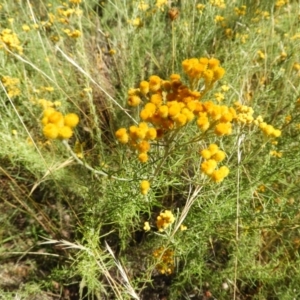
(72,225)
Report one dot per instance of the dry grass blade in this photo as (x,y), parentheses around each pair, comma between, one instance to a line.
(128,286)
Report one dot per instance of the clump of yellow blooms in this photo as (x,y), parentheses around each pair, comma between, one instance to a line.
(56,125)
(164,220)
(276,153)
(10,40)
(240,11)
(72,33)
(166,260)
(169,105)
(11,86)
(218,3)
(212,156)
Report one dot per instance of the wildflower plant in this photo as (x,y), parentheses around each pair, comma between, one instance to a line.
(150,164)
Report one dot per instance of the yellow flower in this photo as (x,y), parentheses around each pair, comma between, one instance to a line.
(219,156)
(143,147)
(189,115)
(219,97)
(183,227)
(65,132)
(218,73)
(213,148)
(205,153)
(160,3)
(134,100)
(208,166)
(203,122)
(180,120)
(147,226)
(154,83)
(277,133)
(220,174)
(25,28)
(165,219)
(143,157)
(223,129)
(174,109)
(219,18)
(112,52)
(276,154)
(163,111)
(56,118)
(75,1)
(136,22)
(122,135)
(71,120)
(144,87)
(261,54)
(225,88)
(151,134)
(156,99)
(50,131)
(143,6)
(145,186)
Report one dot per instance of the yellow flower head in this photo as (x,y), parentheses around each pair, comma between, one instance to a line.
(143,147)
(219,156)
(50,131)
(203,122)
(145,186)
(208,166)
(134,100)
(65,132)
(205,153)
(122,135)
(143,157)
(147,226)
(71,120)
(151,134)
(163,111)
(220,174)
(223,129)
(144,87)
(154,83)
(56,118)
(165,219)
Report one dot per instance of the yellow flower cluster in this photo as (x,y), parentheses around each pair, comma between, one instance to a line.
(269,130)
(276,153)
(10,40)
(245,116)
(204,68)
(166,260)
(164,219)
(280,3)
(73,34)
(218,3)
(240,11)
(145,186)
(11,85)
(56,125)
(212,155)
(244,113)
(169,104)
